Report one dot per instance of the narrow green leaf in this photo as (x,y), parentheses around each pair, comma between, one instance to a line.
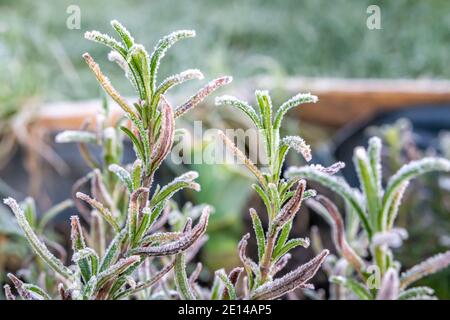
(230,287)
(136,173)
(265,110)
(337,185)
(241,105)
(175,80)
(181,279)
(291,244)
(215,290)
(105,40)
(143,226)
(368,185)
(259,232)
(415,292)
(295,101)
(274,197)
(113,251)
(161,48)
(284,235)
(357,288)
(116,270)
(37,291)
(135,76)
(123,175)
(123,33)
(406,173)
(140,58)
(80,256)
(186,180)
(263,196)
(37,245)
(374,153)
(138,146)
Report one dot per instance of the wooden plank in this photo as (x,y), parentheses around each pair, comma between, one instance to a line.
(344,100)
(71,115)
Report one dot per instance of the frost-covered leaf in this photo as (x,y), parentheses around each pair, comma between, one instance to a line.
(229,292)
(289,210)
(188,238)
(354,286)
(38,246)
(241,156)
(331,170)
(416,292)
(299,145)
(177,79)
(115,271)
(368,184)
(79,244)
(280,264)
(289,245)
(259,232)
(138,56)
(161,48)
(186,180)
(374,153)
(406,173)
(149,283)
(295,101)
(105,213)
(390,286)
(181,279)
(425,268)
(201,95)
(28,291)
(76,136)
(291,281)
(241,105)
(124,34)
(133,211)
(113,251)
(123,175)
(106,40)
(337,185)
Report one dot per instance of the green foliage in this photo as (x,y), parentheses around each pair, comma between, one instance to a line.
(120,194)
(282,199)
(376,209)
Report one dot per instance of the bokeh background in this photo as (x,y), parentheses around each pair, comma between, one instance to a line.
(40,63)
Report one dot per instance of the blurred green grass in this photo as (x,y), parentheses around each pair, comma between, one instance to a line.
(241,38)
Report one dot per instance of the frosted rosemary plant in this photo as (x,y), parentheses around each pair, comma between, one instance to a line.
(282,199)
(367,268)
(130,246)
